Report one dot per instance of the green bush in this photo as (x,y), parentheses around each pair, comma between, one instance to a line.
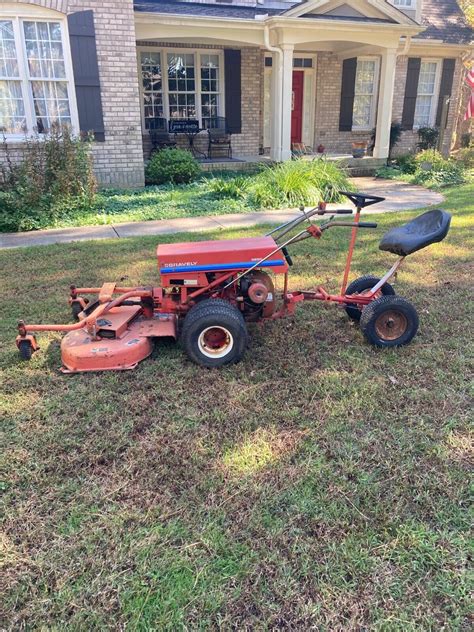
(54,182)
(235,188)
(428,137)
(298,182)
(406,163)
(436,171)
(176,166)
(466,157)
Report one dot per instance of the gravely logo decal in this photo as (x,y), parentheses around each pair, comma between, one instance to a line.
(179,265)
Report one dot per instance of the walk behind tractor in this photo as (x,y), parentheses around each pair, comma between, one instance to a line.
(210,290)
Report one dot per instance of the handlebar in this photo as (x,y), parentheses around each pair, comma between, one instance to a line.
(350,224)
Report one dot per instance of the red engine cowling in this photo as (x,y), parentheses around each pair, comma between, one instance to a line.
(191,264)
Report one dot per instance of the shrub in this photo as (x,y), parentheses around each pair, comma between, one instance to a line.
(395,135)
(428,138)
(466,140)
(436,171)
(406,163)
(466,156)
(54,181)
(176,166)
(298,182)
(235,188)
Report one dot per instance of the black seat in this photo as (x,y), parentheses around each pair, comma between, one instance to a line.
(426,229)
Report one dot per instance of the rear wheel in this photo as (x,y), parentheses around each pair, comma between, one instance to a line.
(361,286)
(26,349)
(214,333)
(389,321)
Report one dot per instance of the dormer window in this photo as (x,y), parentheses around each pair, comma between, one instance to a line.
(405,4)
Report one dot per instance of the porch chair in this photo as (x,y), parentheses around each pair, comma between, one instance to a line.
(160,136)
(219,136)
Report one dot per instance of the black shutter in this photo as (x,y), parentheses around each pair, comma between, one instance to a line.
(411,92)
(233,91)
(445,87)
(349,69)
(86,73)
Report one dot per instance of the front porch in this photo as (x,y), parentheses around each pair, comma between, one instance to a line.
(325,83)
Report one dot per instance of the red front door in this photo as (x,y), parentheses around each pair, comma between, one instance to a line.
(297,106)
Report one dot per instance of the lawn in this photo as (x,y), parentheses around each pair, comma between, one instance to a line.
(320,484)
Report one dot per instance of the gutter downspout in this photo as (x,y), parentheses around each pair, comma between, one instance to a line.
(277,81)
(406,48)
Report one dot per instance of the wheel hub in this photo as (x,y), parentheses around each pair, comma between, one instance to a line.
(215,342)
(391,325)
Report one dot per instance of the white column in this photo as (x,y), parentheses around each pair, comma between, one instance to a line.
(385,105)
(275,107)
(287,100)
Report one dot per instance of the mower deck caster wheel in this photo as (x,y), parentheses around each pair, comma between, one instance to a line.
(389,321)
(26,349)
(76,309)
(359,286)
(214,334)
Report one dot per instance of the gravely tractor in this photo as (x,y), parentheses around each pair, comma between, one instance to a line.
(210,290)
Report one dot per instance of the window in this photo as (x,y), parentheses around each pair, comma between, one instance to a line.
(365,93)
(34,79)
(152,84)
(179,84)
(406,4)
(209,87)
(428,86)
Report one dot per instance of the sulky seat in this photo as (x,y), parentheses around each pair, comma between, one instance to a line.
(426,229)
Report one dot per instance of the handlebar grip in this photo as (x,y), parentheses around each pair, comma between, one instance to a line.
(344,211)
(367,225)
(289,260)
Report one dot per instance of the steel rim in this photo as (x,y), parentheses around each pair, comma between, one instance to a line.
(391,325)
(215,342)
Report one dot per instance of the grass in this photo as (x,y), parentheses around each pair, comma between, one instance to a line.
(279,186)
(320,484)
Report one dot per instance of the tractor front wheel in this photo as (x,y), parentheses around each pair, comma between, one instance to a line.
(361,286)
(214,334)
(26,349)
(389,321)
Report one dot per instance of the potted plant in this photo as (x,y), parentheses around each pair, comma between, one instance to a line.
(359,149)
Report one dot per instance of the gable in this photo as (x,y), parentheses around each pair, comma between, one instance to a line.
(372,10)
(345,10)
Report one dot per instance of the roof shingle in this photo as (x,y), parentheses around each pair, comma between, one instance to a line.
(204,10)
(445,21)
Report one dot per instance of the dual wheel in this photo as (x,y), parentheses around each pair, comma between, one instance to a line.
(389,320)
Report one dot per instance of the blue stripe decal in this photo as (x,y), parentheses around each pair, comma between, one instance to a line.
(239,265)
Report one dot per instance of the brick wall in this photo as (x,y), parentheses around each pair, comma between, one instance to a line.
(119,160)
(328,97)
(409,138)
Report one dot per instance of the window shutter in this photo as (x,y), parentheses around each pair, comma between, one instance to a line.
(445,87)
(233,91)
(349,69)
(411,92)
(86,73)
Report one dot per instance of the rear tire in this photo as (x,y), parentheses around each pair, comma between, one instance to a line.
(214,334)
(360,285)
(26,349)
(389,321)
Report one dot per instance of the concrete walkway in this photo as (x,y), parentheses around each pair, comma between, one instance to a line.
(399,197)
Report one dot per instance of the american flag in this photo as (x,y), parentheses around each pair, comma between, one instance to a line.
(470,105)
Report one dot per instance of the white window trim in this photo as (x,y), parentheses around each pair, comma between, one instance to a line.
(435,97)
(375,96)
(197,52)
(411,6)
(25,81)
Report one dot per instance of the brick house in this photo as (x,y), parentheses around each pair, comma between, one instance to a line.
(280,72)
